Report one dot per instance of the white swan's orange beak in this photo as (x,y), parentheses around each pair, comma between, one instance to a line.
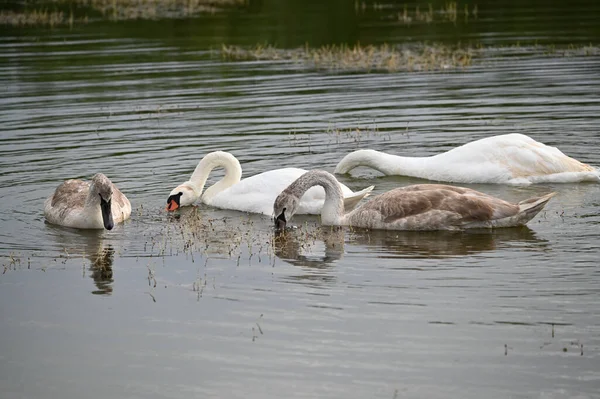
(172,205)
(173,201)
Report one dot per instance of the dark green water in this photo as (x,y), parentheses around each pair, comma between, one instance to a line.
(205,303)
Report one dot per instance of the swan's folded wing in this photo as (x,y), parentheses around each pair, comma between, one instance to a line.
(71,193)
(121,206)
(465,207)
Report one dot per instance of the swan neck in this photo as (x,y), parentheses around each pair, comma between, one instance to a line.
(333,207)
(93,199)
(233,173)
(385,163)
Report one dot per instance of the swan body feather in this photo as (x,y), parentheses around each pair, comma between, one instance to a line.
(505,159)
(253,194)
(87,205)
(416,207)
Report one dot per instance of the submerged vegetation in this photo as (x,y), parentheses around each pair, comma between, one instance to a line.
(37,17)
(361,58)
(399,58)
(449,12)
(60,12)
(67,12)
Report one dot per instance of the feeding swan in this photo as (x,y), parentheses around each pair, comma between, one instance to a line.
(510,158)
(84,205)
(417,207)
(254,194)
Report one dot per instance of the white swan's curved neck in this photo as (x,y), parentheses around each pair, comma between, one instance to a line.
(233,173)
(333,208)
(385,163)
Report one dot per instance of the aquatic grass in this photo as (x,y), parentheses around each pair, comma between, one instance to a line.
(359,58)
(420,57)
(35,17)
(157,9)
(70,12)
(356,134)
(448,12)
(191,234)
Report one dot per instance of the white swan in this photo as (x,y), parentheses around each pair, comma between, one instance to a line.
(510,158)
(417,207)
(254,194)
(83,205)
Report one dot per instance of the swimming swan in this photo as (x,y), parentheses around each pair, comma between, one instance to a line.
(417,207)
(510,158)
(84,205)
(254,194)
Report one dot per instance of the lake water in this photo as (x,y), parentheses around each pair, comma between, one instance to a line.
(208,302)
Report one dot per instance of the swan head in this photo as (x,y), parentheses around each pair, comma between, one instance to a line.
(183,195)
(102,186)
(284,207)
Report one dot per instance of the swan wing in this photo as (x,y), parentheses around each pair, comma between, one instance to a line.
(512,158)
(70,193)
(69,197)
(436,207)
(120,205)
(352,199)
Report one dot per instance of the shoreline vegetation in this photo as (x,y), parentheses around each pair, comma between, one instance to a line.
(53,13)
(69,12)
(415,57)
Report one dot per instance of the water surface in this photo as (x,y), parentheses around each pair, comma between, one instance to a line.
(207,302)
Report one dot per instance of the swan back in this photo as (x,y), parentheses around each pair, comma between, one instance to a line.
(442,207)
(510,158)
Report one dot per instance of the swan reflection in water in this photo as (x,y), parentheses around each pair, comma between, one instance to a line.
(442,244)
(319,247)
(314,249)
(90,245)
(101,267)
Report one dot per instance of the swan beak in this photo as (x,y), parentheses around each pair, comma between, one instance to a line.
(172,205)
(280,221)
(107,218)
(173,202)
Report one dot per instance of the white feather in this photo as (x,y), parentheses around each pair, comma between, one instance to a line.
(254,194)
(506,159)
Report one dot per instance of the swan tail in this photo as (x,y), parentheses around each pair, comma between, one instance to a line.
(351,201)
(527,210)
